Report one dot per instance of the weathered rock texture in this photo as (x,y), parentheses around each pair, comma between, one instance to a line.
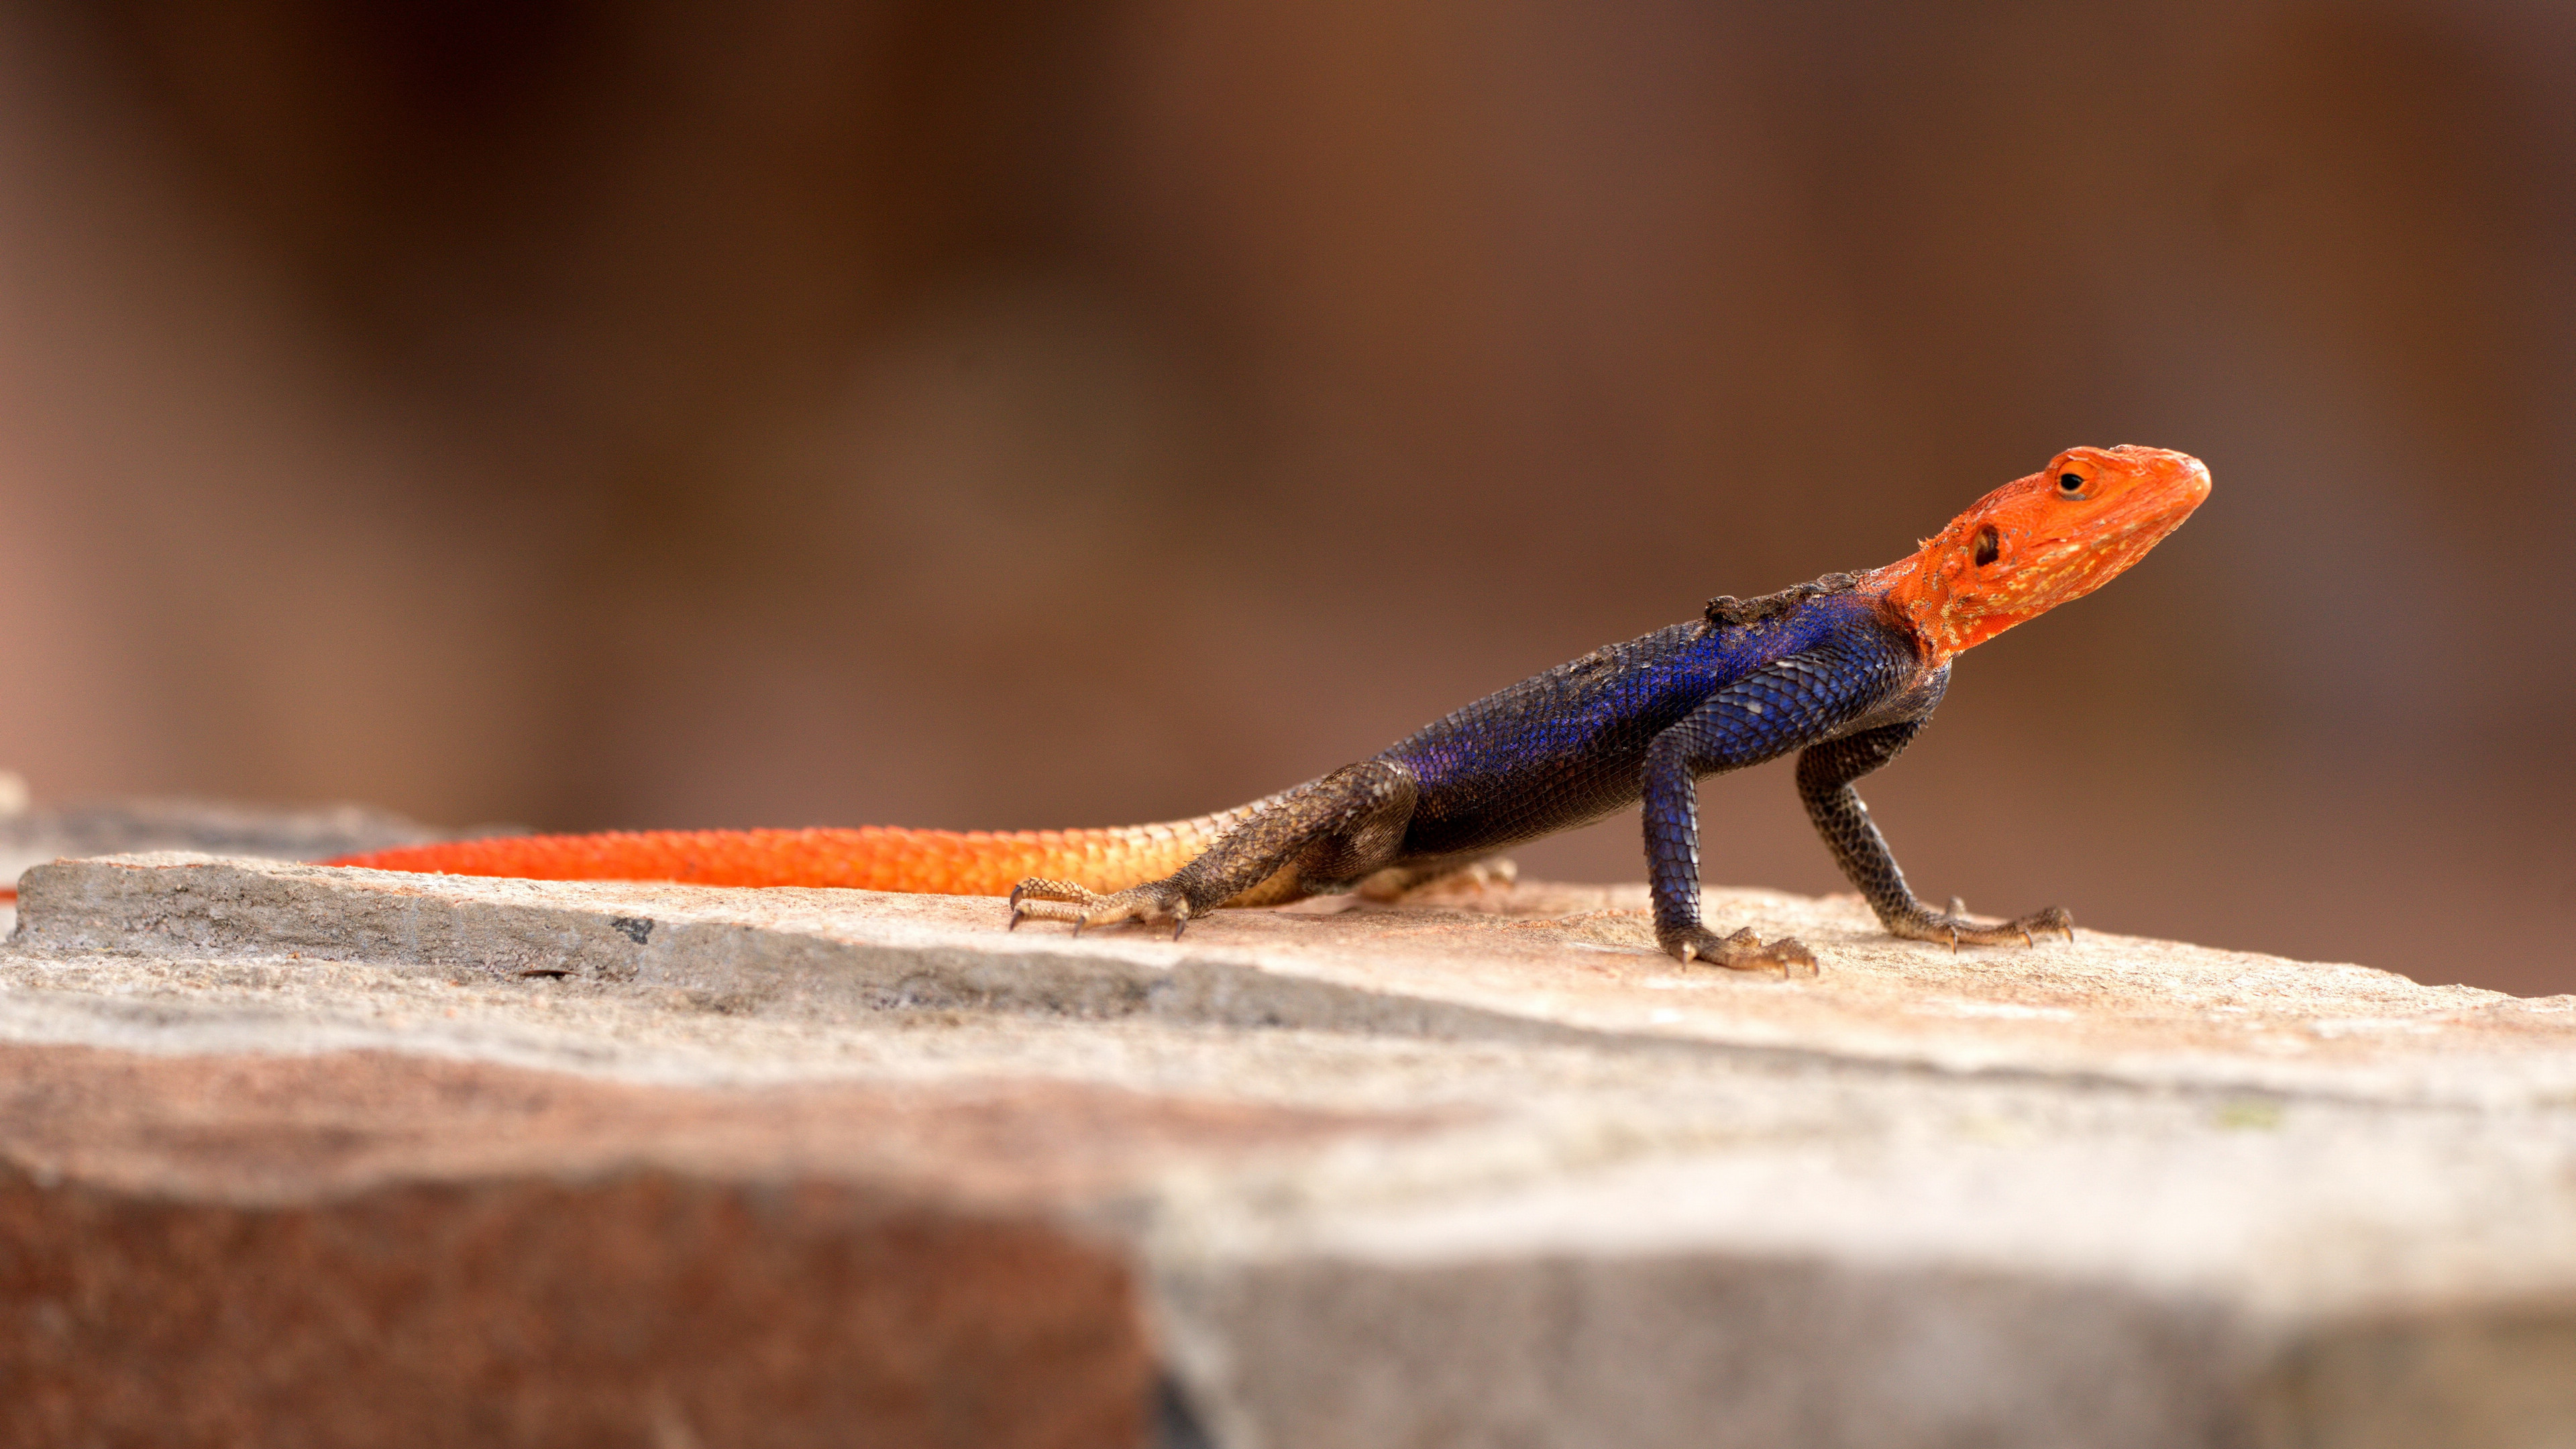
(109,827)
(638,1305)
(330,1156)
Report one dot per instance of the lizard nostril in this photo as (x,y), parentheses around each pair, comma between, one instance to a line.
(1988,546)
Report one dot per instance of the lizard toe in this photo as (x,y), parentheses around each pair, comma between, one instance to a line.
(1792,953)
(1039,899)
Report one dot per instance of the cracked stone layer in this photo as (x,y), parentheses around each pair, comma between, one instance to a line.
(1486,1169)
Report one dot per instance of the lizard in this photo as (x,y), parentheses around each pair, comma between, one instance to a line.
(1845,671)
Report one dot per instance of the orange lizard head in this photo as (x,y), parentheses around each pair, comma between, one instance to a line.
(2039,541)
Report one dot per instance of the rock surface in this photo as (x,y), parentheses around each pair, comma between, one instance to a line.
(32,836)
(400,1158)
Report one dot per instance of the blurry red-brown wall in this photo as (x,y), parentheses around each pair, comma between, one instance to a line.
(590,415)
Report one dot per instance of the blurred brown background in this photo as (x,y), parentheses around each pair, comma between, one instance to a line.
(598,414)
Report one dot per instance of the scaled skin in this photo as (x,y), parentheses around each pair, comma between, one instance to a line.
(1844,670)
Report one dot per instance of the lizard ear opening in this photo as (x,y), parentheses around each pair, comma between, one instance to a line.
(1989,546)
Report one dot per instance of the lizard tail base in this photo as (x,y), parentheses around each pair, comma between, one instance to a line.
(875,858)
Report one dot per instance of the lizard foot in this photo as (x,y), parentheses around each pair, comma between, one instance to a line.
(1742,951)
(1149,904)
(1956,928)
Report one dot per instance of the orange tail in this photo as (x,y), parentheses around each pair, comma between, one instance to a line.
(876,858)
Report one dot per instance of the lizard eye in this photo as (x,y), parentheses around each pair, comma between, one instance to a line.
(1989,547)
(2071,485)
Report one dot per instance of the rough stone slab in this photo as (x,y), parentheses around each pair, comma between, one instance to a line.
(643,1310)
(367,1248)
(1483,1170)
(1514,963)
(2318,1279)
(32,836)
(258,1130)
(639,1306)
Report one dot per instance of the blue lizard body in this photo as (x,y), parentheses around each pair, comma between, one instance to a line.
(1569,746)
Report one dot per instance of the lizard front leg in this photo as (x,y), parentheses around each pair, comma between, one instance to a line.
(1672,868)
(1760,717)
(1825,775)
(1320,836)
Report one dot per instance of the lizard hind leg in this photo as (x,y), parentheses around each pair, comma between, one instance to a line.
(1319,836)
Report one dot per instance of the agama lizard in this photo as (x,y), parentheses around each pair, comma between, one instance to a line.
(1845,670)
